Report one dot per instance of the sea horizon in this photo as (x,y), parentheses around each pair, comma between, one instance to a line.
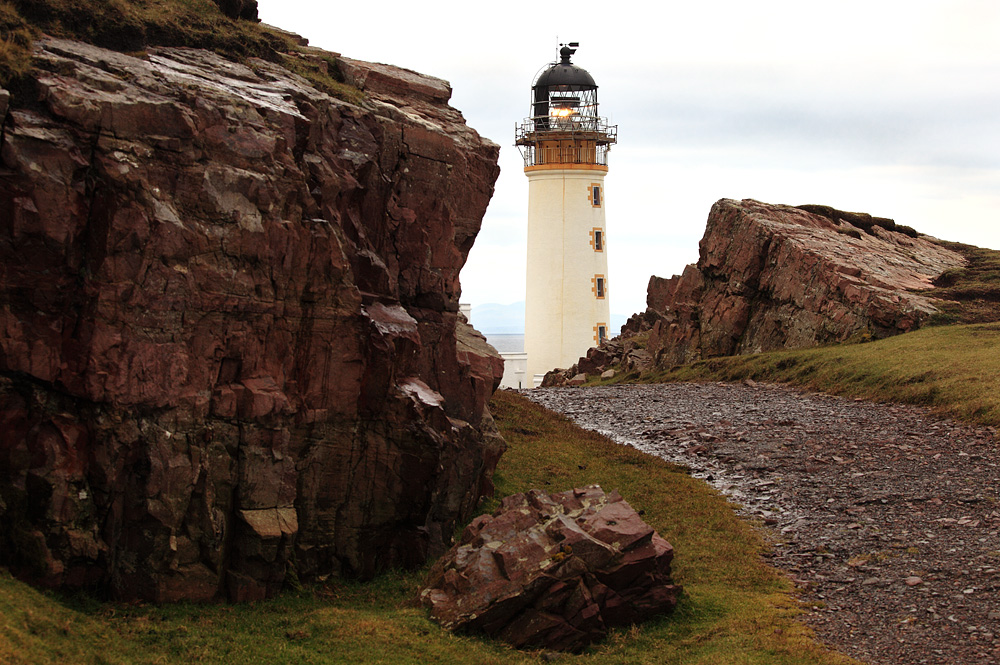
(506,342)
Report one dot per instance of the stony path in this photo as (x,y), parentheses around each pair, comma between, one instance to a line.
(885,516)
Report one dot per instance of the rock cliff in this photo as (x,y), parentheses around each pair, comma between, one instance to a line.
(230,347)
(772,277)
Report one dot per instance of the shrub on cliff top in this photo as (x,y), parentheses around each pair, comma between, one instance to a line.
(124,25)
(133,25)
(121,25)
(859,220)
(113,24)
(971,294)
(15,43)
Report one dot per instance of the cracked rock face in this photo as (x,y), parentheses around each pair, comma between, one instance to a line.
(772,277)
(229,336)
(553,571)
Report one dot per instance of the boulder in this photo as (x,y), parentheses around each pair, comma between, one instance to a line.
(229,328)
(553,571)
(597,361)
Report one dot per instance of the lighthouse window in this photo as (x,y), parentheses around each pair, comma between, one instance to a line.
(597,239)
(595,196)
(600,286)
(602,334)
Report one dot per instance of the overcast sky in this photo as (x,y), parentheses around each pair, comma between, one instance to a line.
(891,108)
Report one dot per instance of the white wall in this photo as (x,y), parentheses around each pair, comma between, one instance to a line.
(515,371)
(561,309)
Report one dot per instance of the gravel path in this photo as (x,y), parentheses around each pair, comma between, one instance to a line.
(885,516)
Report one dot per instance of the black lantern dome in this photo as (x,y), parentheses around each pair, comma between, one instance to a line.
(565,73)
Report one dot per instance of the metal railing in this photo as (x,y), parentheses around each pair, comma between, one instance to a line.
(537,155)
(583,140)
(573,125)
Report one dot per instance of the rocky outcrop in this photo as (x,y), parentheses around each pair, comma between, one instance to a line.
(230,347)
(626,353)
(553,571)
(778,277)
(773,277)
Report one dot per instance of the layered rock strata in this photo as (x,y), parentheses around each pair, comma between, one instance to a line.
(553,571)
(230,347)
(780,277)
(775,277)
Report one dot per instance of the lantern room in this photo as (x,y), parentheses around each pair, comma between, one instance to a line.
(564,127)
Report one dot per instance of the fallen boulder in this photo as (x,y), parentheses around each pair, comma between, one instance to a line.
(553,571)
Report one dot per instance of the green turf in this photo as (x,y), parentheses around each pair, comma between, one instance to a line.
(953,369)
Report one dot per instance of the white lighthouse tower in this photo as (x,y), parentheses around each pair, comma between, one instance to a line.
(565,148)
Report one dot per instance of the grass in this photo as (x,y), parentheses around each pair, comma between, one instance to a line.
(734,608)
(131,26)
(953,369)
(970,294)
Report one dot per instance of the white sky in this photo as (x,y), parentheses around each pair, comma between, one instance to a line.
(885,107)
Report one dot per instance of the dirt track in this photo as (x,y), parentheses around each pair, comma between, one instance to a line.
(885,516)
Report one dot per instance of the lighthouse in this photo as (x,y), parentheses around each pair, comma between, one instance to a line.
(565,145)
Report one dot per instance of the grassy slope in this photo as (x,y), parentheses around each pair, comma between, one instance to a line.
(971,294)
(954,369)
(735,609)
(950,367)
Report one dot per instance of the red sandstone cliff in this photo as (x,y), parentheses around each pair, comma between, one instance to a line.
(228,315)
(775,277)
(772,277)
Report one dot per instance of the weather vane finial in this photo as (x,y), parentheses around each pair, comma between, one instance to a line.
(566,51)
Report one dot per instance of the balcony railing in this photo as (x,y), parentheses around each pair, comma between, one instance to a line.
(546,125)
(575,140)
